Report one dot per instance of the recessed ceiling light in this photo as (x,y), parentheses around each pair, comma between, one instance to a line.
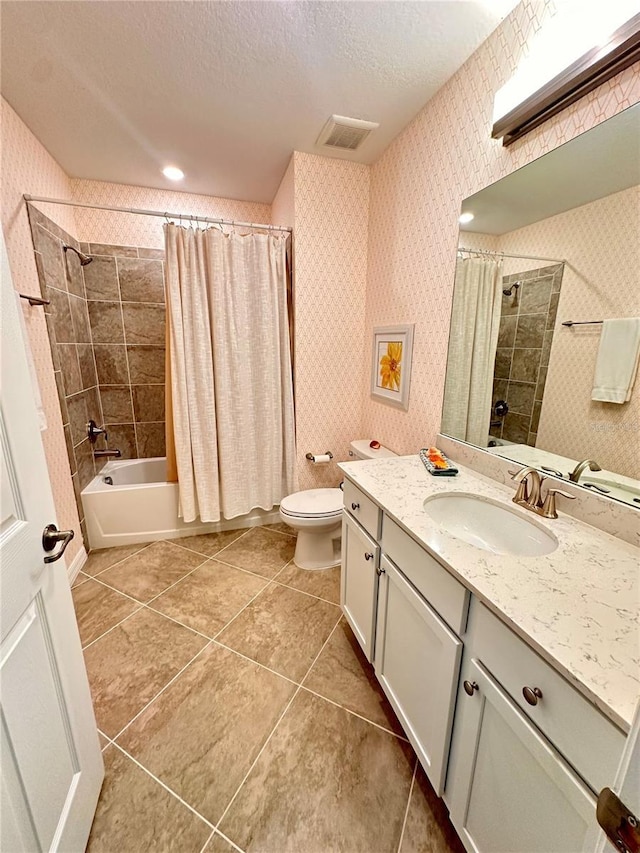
(173,173)
(464,218)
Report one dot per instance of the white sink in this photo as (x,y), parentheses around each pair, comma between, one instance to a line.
(490,525)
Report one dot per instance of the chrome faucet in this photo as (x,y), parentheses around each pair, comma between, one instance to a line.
(528,477)
(101,454)
(581,467)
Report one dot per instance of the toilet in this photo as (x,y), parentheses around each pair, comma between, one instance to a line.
(316,515)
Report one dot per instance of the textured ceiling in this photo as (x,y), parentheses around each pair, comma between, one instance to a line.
(602,161)
(226,90)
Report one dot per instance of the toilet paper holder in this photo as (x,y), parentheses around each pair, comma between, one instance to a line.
(313,456)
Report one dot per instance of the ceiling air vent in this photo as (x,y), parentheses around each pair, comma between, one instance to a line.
(345,133)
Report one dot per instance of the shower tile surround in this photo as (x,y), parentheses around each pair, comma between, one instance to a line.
(525,337)
(106,332)
(217,731)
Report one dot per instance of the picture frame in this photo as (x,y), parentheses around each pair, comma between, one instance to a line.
(391,364)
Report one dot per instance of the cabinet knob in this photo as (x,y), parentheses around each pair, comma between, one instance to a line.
(368,556)
(355,506)
(380,571)
(470,687)
(532,694)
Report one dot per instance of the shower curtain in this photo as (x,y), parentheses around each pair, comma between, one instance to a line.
(473,339)
(229,360)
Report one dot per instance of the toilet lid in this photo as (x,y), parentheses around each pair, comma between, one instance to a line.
(313,502)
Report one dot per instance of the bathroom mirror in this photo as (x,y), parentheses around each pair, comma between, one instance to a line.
(545,255)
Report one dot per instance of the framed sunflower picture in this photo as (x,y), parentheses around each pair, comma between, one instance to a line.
(391,367)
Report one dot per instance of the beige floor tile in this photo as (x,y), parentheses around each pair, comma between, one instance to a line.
(148,573)
(102,559)
(219,845)
(135,813)
(261,551)
(282,629)
(281,527)
(202,734)
(80,579)
(209,543)
(98,609)
(130,664)
(209,597)
(428,828)
(324,583)
(326,781)
(343,674)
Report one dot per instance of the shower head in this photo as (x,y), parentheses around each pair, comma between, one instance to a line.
(84,259)
(509,290)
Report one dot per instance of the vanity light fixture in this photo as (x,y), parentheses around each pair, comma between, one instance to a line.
(465,217)
(173,173)
(568,59)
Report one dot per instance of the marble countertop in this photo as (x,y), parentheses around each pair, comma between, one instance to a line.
(578,606)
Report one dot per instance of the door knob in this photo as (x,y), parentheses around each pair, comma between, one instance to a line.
(368,555)
(470,687)
(50,538)
(354,507)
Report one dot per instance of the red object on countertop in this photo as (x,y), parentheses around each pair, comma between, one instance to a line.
(374,445)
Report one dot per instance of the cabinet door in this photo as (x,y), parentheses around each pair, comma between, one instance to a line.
(508,789)
(417,663)
(359,582)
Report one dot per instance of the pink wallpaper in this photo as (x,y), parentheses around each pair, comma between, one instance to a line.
(283,204)
(330,228)
(417,187)
(600,242)
(125,229)
(28,168)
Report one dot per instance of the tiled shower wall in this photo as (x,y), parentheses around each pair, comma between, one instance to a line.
(524,345)
(61,282)
(125,298)
(106,325)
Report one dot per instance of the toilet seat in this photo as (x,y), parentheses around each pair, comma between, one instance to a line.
(313,503)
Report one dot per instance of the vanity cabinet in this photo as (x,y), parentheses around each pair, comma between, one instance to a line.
(510,789)
(359,582)
(417,660)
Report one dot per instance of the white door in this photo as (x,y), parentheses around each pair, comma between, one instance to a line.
(627,788)
(51,764)
(417,663)
(359,582)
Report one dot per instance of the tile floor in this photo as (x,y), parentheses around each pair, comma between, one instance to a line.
(236,710)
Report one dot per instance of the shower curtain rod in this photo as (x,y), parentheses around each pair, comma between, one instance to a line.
(507,255)
(166,214)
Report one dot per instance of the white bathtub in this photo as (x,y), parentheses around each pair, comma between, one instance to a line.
(140,506)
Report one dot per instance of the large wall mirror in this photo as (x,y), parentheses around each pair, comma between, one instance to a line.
(545,256)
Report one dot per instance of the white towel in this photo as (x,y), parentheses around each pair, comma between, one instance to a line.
(35,386)
(617,361)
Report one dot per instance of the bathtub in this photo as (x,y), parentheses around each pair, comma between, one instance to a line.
(138,505)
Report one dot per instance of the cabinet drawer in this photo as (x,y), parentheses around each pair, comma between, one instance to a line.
(443,592)
(363,508)
(590,741)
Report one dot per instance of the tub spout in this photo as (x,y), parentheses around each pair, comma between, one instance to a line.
(101,454)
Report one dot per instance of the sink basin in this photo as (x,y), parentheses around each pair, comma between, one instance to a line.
(490,525)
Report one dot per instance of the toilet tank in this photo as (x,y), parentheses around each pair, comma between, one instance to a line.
(361,449)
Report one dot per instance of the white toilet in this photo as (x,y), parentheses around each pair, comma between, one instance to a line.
(316,515)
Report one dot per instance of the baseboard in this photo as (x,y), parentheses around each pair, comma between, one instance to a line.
(76,564)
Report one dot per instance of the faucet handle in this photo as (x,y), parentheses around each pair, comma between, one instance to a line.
(522,492)
(549,506)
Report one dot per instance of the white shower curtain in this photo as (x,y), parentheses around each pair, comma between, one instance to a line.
(473,339)
(230,366)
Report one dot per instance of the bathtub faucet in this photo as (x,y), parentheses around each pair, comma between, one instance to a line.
(101,454)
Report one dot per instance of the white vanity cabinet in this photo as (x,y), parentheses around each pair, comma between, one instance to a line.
(508,788)
(417,661)
(528,750)
(359,582)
